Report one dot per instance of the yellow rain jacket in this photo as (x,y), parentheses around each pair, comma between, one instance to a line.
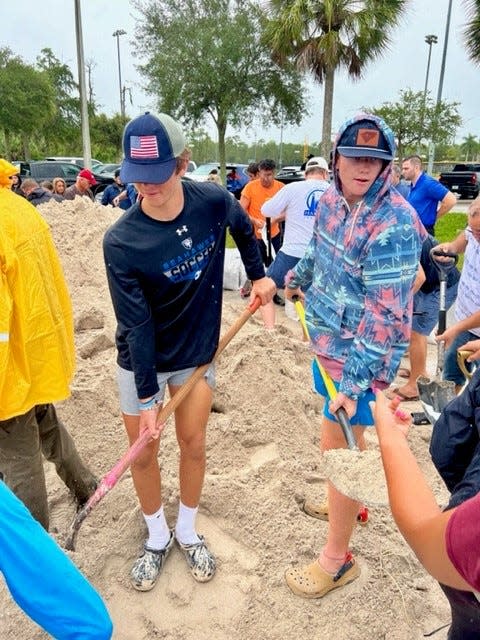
(37,357)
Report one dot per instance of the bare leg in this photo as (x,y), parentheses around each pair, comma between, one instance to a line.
(145,469)
(268,315)
(191,419)
(418,363)
(342,511)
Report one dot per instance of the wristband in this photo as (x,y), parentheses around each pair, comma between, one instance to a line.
(146,405)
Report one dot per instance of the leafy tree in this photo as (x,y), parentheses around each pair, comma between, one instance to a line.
(322,36)
(22,86)
(106,136)
(414,121)
(205,58)
(65,123)
(471,32)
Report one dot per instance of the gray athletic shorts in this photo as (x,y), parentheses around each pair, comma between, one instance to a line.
(128,392)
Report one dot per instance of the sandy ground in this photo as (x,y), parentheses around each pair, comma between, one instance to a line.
(262,461)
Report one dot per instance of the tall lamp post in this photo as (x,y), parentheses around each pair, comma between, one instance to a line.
(116,34)
(431,155)
(430,39)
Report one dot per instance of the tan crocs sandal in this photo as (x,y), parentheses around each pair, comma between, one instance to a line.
(320,511)
(311,581)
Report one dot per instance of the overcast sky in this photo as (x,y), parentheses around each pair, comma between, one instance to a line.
(31,25)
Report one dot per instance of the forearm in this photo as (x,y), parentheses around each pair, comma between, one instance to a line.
(419,279)
(456,246)
(413,505)
(411,499)
(472,322)
(446,204)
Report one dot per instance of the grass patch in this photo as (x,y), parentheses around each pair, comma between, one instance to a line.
(448,227)
(230,242)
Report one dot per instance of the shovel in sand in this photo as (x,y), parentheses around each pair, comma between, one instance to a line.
(111,478)
(437,393)
(357,474)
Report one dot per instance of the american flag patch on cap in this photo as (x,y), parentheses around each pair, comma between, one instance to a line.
(367,138)
(144,147)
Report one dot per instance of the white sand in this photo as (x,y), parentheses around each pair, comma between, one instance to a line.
(263,459)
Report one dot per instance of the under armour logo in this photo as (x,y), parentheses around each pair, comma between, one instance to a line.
(181,230)
(187,243)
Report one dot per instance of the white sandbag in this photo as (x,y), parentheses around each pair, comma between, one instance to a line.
(234,274)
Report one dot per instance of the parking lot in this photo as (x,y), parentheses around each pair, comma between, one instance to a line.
(462,206)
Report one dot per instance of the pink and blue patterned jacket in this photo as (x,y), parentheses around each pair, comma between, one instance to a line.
(361,264)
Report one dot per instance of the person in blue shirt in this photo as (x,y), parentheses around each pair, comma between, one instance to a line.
(430,199)
(113,190)
(43,580)
(400,185)
(126,198)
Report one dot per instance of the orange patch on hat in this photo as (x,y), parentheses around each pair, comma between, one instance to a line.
(367,138)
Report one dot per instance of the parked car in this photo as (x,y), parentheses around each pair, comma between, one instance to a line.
(201,172)
(107,169)
(290,174)
(41,170)
(464,179)
(74,160)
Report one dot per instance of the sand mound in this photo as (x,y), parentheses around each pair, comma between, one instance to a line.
(263,460)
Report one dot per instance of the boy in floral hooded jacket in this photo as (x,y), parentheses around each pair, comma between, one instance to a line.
(360,264)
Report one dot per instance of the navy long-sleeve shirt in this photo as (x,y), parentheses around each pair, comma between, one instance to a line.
(166,281)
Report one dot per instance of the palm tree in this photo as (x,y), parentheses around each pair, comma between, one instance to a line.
(471,32)
(470,147)
(323,36)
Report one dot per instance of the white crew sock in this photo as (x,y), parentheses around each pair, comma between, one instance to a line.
(185,527)
(158,531)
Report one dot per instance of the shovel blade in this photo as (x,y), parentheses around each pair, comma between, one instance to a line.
(434,396)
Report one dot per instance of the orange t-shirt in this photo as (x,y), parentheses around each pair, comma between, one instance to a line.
(258,194)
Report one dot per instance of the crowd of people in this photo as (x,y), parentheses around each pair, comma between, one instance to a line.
(116,194)
(355,249)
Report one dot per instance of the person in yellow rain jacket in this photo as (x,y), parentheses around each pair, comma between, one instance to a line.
(37,357)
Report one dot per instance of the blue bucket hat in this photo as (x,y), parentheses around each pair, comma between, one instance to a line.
(364,139)
(151,145)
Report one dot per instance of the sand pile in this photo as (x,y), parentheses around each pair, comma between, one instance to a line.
(263,460)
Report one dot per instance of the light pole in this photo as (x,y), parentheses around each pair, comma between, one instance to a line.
(430,39)
(431,155)
(87,153)
(116,34)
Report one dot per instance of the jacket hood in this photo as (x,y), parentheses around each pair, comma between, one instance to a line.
(383,181)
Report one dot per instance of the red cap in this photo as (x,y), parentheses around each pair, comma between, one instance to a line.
(86,173)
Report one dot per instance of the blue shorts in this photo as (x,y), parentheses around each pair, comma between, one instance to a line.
(128,391)
(362,417)
(426,307)
(279,268)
